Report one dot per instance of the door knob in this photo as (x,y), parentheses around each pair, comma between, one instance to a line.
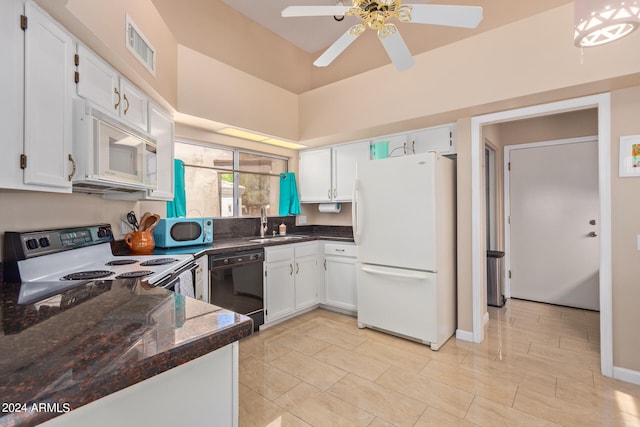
(593,234)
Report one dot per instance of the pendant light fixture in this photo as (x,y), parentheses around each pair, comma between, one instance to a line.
(598,22)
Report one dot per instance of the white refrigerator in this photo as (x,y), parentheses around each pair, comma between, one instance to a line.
(404,224)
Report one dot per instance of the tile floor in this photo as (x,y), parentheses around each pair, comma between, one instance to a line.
(539,365)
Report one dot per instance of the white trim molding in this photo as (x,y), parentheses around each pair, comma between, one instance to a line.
(627,375)
(603,103)
(464,335)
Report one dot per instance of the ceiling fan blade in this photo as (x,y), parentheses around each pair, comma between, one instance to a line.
(452,16)
(337,47)
(397,50)
(293,11)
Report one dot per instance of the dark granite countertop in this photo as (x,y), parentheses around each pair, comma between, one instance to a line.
(236,244)
(97,338)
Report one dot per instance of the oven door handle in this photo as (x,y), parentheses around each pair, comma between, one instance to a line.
(170,279)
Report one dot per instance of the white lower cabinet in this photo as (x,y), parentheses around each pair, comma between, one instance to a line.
(340,276)
(207,386)
(290,279)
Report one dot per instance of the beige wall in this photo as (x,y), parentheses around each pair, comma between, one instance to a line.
(625,214)
(211,89)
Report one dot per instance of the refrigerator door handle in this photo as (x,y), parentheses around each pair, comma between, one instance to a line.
(354,213)
(417,275)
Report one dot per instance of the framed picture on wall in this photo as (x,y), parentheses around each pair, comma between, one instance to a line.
(630,155)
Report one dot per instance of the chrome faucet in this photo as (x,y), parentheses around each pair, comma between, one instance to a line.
(263,222)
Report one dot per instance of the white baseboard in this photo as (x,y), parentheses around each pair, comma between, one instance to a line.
(485,319)
(626,375)
(464,335)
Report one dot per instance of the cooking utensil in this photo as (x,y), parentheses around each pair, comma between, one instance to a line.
(151,222)
(142,221)
(131,218)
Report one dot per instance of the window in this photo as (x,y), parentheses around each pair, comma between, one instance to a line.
(226,182)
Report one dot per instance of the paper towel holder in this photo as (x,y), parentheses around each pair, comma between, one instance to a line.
(329,207)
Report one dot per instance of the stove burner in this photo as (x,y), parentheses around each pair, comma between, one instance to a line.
(122,262)
(134,274)
(85,275)
(158,261)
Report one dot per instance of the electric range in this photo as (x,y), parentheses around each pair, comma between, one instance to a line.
(51,261)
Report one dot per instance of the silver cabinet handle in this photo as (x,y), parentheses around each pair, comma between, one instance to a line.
(329,194)
(335,193)
(290,269)
(325,264)
(297,268)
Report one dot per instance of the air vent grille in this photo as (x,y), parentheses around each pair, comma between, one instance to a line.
(139,45)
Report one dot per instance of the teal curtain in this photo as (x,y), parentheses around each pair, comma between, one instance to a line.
(178,207)
(289,200)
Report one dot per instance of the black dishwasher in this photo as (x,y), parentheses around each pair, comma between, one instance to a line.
(237,283)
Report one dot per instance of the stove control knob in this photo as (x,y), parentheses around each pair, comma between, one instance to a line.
(32,244)
(44,242)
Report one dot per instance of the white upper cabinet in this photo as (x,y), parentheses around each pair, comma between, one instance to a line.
(36,117)
(397,144)
(134,105)
(345,159)
(441,139)
(327,174)
(161,128)
(105,88)
(315,175)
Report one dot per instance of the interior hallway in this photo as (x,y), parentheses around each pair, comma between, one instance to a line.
(539,365)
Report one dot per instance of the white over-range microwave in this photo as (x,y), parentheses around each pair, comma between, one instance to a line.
(110,155)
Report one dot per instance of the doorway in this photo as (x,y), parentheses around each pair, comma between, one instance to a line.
(478,286)
(552,210)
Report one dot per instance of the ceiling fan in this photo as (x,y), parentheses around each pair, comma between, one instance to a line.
(375,13)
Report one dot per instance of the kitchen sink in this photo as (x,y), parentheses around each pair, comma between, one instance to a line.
(278,239)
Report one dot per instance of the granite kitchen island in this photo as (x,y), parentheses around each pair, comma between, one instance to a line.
(118,352)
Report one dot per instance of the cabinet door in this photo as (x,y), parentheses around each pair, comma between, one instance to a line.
(345,159)
(161,128)
(440,139)
(397,144)
(279,289)
(12,78)
(98,82)
(315,175)
(134,105)
(306,293)
(48,86)
(340,283)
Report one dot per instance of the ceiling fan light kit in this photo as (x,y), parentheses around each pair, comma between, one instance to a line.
(374,15)
(598,22)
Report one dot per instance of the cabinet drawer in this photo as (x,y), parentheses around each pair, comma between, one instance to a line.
(306,249)
(340,249)
(280,253)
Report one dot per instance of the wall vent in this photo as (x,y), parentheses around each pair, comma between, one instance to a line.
(139,46)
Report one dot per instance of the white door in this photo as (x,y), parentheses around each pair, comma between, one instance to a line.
(394,214)
(553,193)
